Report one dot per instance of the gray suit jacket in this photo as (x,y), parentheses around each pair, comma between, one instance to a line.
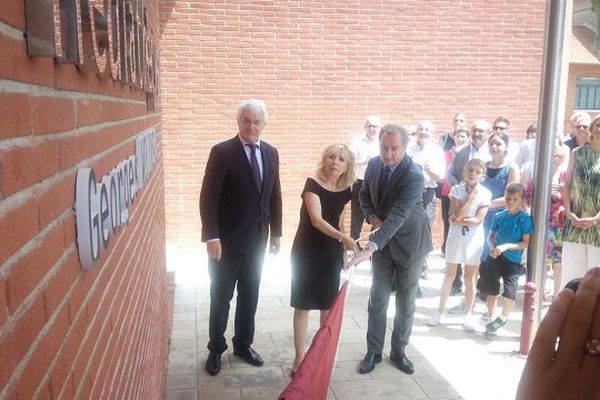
(405,228)
(455,171)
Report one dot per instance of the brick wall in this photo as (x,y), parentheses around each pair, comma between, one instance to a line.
(65,332)
(322,67)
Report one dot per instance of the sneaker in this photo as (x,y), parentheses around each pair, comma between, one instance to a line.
(459,309)
(436,319)
(469,324)
(492,327)
(455,290)
(485,318)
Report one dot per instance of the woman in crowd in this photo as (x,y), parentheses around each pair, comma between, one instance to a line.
(564,361)
(317,254)
(499,173)
(581,238)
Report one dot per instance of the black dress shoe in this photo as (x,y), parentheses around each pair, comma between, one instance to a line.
(250,356)
(402,362)
(368,363)
(213,363)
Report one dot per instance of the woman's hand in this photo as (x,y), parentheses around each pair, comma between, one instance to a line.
(566,371)
(349,243)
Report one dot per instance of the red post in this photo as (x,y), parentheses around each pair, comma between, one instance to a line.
(527,322)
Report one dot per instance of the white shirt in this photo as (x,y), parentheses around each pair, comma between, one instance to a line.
(430,155)
(363,149)
(482,153)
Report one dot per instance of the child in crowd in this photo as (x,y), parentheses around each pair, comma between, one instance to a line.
(469,202)
(508,237)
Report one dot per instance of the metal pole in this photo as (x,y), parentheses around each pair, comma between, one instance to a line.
(548,117)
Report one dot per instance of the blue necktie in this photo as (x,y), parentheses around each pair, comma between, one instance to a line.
(254,166)
(383,179)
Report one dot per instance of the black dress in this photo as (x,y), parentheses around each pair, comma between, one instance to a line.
(317,259)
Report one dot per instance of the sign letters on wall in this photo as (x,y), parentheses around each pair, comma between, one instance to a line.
(96,35)
(101,208)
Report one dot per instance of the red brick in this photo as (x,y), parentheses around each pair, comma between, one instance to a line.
(25,166)
(22,223)
(21,67)
(17,122)
(13,14)
(43,355)
(17,341)
(3,305)
(55,200)
(26,274)
(61,374)
(59,284)
(52,114)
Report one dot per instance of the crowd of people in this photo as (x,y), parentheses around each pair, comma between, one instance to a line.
(391,177)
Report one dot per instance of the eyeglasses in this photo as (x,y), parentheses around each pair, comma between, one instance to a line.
(477,130)
(500,128)
(372,126)
(579,127)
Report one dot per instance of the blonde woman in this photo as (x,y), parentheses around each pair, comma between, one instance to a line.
(318,251)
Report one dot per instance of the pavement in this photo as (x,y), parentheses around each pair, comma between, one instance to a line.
(449,362)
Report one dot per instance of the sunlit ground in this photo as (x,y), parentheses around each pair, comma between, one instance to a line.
(476,367)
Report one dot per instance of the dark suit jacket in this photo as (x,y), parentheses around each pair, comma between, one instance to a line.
(230,205)
(405,228)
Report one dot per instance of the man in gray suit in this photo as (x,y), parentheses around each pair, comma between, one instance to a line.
(480,131)
(391,199)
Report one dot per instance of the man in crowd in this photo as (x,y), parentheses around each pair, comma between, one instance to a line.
(431,158)
(480,131)
(240,205)
(364,146)
(391,199)
(502,124)
(580,124)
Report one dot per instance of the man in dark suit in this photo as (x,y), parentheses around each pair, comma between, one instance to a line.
(480,131)
(391,198)
(240,200)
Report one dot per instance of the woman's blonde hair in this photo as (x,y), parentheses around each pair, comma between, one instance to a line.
(346,179)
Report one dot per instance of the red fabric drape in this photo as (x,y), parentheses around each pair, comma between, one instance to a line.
(314,373)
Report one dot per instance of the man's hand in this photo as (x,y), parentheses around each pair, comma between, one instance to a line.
(214,250)
(375,221)
(274,245)
(360,257)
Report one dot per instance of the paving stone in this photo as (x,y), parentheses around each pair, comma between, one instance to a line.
(184,381)
(185,394)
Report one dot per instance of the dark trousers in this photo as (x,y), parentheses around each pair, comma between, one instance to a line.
(406,276)
(356,214)
(243,269)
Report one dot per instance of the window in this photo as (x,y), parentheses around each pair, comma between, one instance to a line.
(587,94)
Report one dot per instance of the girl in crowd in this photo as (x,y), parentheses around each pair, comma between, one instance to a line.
(461,139)
(581,238)
(317,254)
(469,202)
